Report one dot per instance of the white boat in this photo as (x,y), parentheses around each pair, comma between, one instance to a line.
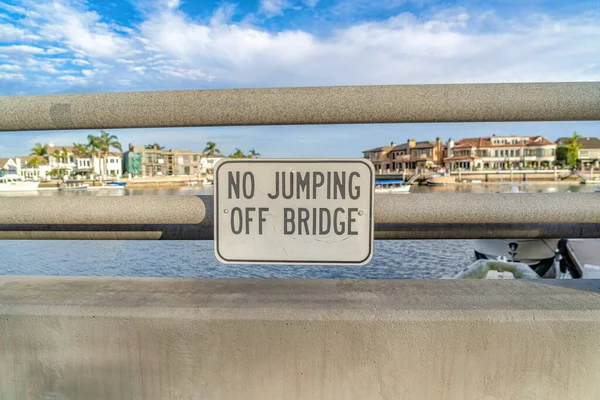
(484,269)
(539,254)
(16,183)
(391,187)
(73,185)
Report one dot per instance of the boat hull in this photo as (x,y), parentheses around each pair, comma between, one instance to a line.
(401,189)
(19,187)
(537,253)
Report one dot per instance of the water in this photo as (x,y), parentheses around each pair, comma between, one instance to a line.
(428,259)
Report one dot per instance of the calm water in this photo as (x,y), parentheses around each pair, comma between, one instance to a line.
(393,259)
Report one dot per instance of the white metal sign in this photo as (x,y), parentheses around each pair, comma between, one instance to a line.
(294,211)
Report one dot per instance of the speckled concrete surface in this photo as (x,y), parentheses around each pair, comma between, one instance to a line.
(577,101)
(107,338)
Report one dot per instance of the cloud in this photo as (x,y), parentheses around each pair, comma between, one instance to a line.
(75,80)
(10,67)
(81,31)
(168,49)
(11,76)
(18,48)
(273,7)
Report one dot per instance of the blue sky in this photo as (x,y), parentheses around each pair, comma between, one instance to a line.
(74,46)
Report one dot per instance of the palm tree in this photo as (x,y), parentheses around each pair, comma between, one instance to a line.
(573,149)
(153,145)
(40,150)
(211,149)
(33,162)
(253,154)
(102,145)
(238,154)
(81,150)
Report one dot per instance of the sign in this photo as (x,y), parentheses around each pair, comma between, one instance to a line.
(294,211)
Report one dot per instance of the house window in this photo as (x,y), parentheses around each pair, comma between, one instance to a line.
(497,153)
(584,153)
(512,153)
(195,157)
(518,153)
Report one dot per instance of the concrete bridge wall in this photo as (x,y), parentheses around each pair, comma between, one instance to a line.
(132,338)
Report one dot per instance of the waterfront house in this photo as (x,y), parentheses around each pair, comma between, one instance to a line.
(32,167)
(501,152)
(112,164)
(408,156)
(412,155)
(8,166)
(589,150)
(140,161)
(380,157)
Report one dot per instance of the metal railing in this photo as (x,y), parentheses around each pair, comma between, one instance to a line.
(313,105)
(426,216)
(416,216)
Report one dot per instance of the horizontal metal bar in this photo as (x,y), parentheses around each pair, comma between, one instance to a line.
(308,105)
(414,216)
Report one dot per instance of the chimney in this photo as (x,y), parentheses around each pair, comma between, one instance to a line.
(412,143)
(393,144)
(450,147)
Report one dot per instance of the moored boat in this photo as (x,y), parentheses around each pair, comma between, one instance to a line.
(16,183)
(73,185)
(539,254)
(391,187)
(116,183)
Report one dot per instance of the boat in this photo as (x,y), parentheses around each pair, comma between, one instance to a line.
(391,186)
(539,254)
(73,185)
(439,180)
(116,183)
(16,183)
(486,269)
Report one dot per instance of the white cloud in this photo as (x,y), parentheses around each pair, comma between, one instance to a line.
(75,80)
(55,50)
(170,50)
(18,48)
(450,46)
(273,7)
(81,31)
(80,62)
(10,67)
(9,33)
(7,76)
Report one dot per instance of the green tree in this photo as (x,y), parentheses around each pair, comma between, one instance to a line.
(64,154)
(253,154)
(101,145)
(81,150)
(34,162)
(211,149)
(56,155)
(237,154)
(40,150)
(561,154)
(153,145)
(573,149)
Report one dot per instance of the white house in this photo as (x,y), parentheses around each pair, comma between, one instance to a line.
(111,165)
(207,164)
(30,170)
(8,166)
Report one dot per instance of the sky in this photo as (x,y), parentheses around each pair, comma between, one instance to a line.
(79,46)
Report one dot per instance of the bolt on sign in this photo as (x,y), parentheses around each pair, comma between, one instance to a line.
(294,211)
